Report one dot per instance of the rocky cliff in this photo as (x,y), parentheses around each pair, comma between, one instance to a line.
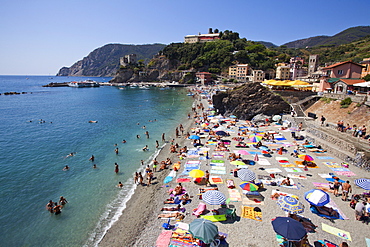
(104,61)
(159,69)
(249,100)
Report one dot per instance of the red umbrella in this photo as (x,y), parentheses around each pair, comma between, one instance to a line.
(248,186)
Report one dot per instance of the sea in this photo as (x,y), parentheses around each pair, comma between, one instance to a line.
(38,129)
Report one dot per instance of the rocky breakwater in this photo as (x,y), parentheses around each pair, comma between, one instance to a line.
(159,69)
(249,100)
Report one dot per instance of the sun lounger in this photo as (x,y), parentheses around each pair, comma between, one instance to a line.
(214,218)
(200,209)
(250,213)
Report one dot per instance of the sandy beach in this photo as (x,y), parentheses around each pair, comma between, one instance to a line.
(139,225)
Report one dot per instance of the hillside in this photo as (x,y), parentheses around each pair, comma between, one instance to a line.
(346,36)
(104,61)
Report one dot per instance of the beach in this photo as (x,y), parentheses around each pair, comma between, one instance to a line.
(140,226)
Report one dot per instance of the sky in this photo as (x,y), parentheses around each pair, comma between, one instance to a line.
(39,37)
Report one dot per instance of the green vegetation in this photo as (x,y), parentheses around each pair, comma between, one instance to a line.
(366,78)
(327,100)
(345,103)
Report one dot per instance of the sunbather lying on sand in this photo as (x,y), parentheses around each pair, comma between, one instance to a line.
(176,215)
(203,190)
(172,208)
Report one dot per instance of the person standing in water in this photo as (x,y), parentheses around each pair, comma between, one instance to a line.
(116,150)
(116,168)
(163,138)
(62,201)
(92,158)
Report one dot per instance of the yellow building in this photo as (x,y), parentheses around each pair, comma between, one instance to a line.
(239,72)
(366,69)
(282,72)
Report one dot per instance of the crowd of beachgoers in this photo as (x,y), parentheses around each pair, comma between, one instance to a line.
(247,184)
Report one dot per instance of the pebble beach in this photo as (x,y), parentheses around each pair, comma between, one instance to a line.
(139,224)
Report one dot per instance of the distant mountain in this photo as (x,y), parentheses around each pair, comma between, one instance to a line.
(267,44)
(104,61)
(344,37)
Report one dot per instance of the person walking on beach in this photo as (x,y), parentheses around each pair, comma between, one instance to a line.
(155,164)
(336,186)
(150,178)
(116,168)
(207,178)
(141,178)
(346,188)
(322,120)
(136,177)
(163,138)
(156,144)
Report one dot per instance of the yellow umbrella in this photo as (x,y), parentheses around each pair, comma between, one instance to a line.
(196,173)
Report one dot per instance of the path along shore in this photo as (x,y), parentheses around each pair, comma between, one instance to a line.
(139,225)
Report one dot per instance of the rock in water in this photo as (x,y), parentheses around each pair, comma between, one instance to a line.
(249,100)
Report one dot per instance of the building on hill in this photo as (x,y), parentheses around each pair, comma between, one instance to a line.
(345,86)
(258,76)
(239,72)
(128,59)
(313,63)
(202,38)
(365,70)
(282,71)
(337,71)
(204,77)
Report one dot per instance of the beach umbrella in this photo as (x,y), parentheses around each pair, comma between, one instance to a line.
(255,138)
(248,186)
(363,183)
(214,197)
(194,137)
(317,197)
(290,204)
(289,228)
(196,173)
(238,163)
(256,157)
(204,230)
(221,133)
(305,157)
(246,175)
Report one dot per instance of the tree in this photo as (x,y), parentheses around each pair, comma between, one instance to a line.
(366,77)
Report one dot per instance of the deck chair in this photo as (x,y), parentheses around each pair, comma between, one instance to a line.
(200,209)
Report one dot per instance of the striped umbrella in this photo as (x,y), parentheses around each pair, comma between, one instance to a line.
(255,138)
(290,204)
(363,183)
(214,197)
(246,175)
(317,197)
(248,186)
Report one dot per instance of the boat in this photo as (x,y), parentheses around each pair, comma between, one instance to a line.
(86,83)
(144,87)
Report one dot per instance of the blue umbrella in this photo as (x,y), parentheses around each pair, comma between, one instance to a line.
(317,197)
(194,137)
(246,175)
(221,133)
(289,228)
(290,204)
(214,197)
(363,183)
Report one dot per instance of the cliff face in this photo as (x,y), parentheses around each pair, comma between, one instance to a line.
(249,100)
(159,69)
(104,61)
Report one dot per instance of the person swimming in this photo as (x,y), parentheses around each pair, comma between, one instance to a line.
(66,168)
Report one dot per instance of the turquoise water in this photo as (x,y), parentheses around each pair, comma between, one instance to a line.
(33,155)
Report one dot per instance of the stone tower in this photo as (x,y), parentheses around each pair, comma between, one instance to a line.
(313,62)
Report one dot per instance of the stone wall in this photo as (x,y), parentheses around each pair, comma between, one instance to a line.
(354,98)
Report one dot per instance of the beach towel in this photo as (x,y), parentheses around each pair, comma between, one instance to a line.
(164,239)
(280,138)
(214,218)
(216,180)
(177,242)
(217,161)
(263,162)
(287,165)
(255,152)
(325,175)
(325,158)
(332,164)
(334,206)
(336,231)
(221,172)
(248,201)
(273,170)
(340,169)
(289,169)
(283,161)
(344,173)
(230,184)
(292,186)
(296,176)
(281,158)
(280,193)
(234,195)
(183,180)
(217,164)
(367,242)
(221,168)
(249,213)
(182,225)
(218,155)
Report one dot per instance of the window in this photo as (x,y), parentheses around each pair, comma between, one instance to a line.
(340,72)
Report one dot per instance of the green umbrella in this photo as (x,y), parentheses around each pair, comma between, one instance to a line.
(204,230)
(238,163)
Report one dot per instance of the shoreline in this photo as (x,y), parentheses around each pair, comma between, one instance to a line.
(141,206)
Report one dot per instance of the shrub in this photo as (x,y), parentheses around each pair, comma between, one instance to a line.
(345,103)
(327,100)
